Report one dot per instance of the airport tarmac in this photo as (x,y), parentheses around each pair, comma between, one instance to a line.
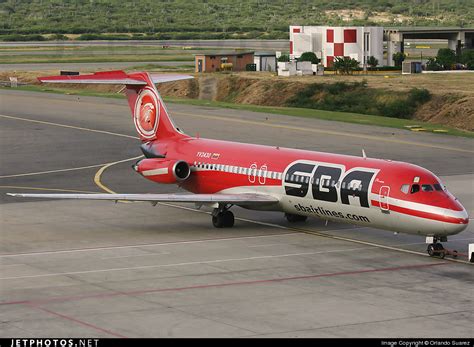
(99,269)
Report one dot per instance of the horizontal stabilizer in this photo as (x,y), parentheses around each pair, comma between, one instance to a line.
(169,78)
(113,77)
(237,199)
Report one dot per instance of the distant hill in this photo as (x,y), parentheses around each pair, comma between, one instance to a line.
(188,19)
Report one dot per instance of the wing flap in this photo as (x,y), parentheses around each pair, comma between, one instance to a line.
(237,199)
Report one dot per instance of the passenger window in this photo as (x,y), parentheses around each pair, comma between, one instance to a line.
(415,188)
(427,188)
(405,188)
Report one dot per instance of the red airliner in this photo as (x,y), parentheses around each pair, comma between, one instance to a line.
(377,193)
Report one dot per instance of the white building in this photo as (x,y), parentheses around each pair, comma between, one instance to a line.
(326,42)
(265,61)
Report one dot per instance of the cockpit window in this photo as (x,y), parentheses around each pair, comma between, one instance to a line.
(405,188)
(438,187)
(415,188)
(427,188)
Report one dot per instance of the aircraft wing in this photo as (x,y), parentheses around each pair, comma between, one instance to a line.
(236,199)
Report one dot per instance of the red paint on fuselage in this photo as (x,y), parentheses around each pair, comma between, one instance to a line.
(392,173)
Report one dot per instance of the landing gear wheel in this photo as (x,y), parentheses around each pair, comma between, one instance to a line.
(430,249)
(217,221)
(223,219)
(294,218)
(228,219)
(436,249)
(440,250)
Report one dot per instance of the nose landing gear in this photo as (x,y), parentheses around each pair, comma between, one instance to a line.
(436,249)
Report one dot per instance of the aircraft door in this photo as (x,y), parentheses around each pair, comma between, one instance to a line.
(384,194)
(263,174)
(252,173)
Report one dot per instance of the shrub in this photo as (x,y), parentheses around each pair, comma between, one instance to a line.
(398,58)
(309,56)
(418,96)
(446,58)
(18,37)
(396,109)
(467,58)
(357,97)
(345,65)
(372,61)
(433,65)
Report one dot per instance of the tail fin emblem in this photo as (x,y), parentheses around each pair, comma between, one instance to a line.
(146,114)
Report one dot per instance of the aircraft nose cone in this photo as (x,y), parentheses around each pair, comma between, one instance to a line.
(459,219)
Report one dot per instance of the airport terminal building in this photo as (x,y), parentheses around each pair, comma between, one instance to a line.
(327,42)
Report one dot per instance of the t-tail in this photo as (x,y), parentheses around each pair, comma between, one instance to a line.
(150,116)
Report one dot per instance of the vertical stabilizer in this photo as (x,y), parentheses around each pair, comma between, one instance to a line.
(149,113)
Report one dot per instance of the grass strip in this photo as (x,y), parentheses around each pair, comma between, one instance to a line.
(347,117)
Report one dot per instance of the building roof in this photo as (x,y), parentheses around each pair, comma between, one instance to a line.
(428,29)
(227,53)
(265,54)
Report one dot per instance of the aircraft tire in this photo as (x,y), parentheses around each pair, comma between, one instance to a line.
(431,250)
(223,220)
(295,218)
(218,221)
(440,250)
(228,219)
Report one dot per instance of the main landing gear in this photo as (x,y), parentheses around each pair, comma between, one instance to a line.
(222,217)
(436,249)
(295,218)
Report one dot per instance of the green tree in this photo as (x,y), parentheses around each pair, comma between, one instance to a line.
(398,58)
(345,65)
(446,58)
(284,58)
(433,65)
(467,58)
(372,61)
(309,56)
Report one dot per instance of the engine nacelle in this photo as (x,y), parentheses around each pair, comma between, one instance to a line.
(163,170)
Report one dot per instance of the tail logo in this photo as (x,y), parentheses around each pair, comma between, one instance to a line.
(147,113)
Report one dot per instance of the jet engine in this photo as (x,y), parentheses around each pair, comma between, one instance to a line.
(163,170)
